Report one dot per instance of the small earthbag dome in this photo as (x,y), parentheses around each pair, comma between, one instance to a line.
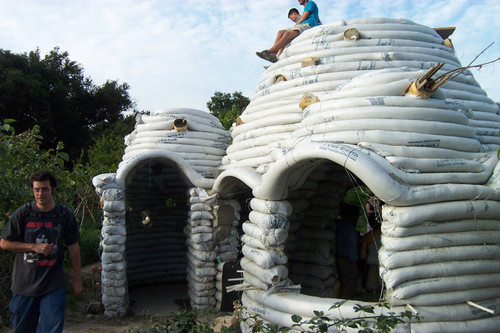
(157,225)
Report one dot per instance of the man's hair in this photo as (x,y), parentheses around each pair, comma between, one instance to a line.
(43,175)
(293,11)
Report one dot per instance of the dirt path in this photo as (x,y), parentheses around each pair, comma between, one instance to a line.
(79,320)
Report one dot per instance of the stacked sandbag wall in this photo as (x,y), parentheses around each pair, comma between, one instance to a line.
(440,257)
(264,261)
(201,254)
(113,232)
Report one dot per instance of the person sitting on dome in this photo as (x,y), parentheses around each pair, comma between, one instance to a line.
(308,20)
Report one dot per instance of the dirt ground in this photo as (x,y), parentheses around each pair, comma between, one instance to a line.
(78,318)
(145,303)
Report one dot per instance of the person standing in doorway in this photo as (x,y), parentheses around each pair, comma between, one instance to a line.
(38,232)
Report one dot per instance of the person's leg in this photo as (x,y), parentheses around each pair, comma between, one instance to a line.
(286,38)
(279,35)
(52,306)
(24,313)
(348,277)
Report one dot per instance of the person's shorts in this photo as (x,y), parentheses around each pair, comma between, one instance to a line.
(300,27)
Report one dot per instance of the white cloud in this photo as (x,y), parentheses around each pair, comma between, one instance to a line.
(178,53)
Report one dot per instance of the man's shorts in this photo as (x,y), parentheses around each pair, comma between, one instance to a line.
(300,27)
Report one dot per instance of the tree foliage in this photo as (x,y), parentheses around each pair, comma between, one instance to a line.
(53,93)
(227,107)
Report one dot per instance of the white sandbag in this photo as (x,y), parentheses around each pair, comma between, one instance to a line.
(268,221)
(137,148)
(263,258)
(271,207)
(392,260)
(199,222)
(114,206)
(436,165)
(391,229)
(441,284)
(393,277)
(199,229)
(483,325)
(198,278)
(255,281)
(442,211)
(202,255)
(111,257)
(113,194)
(417,152)
(451,297)
(201,238)
(441,240)
(268,237)
(205,246)
(270,276)
(114,230)
(256,243)
(388,137)
(200,215)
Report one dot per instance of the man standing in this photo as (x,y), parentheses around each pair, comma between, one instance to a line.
(37,233)
(309,19)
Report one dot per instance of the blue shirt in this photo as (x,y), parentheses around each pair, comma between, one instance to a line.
(312,19)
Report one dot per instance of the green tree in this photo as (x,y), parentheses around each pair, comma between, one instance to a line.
(53,93)
(227,107)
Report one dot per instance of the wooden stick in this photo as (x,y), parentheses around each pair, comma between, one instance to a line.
(412,308)
(480,307)
(236,279)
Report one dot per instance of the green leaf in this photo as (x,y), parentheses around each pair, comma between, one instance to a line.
(64,156)
(296,318)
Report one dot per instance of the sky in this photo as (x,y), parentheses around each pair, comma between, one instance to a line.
(178,53)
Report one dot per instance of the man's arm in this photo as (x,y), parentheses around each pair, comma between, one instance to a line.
(303,17)
(74,257)
(16,246)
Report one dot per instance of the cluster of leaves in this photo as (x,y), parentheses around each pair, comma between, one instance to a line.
(367,322)
(227,107)
(184,321)
(53,93)
(187,321)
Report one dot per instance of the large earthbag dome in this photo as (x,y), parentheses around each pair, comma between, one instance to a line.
(158,214)
(341,108)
